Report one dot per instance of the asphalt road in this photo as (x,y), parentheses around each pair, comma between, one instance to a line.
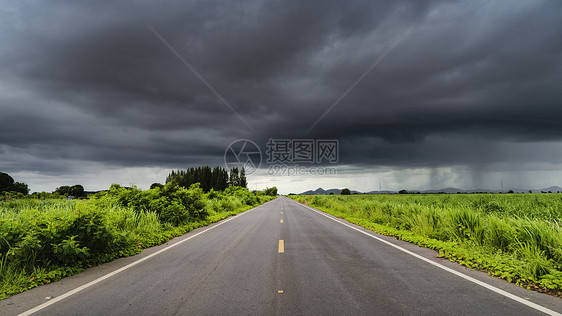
(281,258)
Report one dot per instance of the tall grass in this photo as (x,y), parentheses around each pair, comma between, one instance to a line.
(522,230)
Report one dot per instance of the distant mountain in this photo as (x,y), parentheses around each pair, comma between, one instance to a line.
(446,190)
(553,188)
(381,192)
(320,191)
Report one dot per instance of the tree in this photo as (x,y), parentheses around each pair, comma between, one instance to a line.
(63,190)
(234,177)
(243,183)
(345,191)
(405,192)
(216,178)
(21,188)
(77,191)
(7,184)
(271,191)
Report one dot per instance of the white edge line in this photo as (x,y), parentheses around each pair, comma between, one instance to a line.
(457,273)
(130,265)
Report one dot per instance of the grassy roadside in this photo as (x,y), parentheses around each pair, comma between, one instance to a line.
(42,241)
(513,237)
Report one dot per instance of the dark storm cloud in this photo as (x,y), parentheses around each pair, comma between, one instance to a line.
(472,83)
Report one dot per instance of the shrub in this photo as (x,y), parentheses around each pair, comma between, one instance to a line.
(174,204)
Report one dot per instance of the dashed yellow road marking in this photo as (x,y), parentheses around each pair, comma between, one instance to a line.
(281,246)
(281,212)
(280,292)
(281,221)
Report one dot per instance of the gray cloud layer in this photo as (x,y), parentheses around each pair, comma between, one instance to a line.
(473,83)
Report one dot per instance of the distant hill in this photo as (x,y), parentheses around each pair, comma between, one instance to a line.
(321,191)
(553,188)
(382,192)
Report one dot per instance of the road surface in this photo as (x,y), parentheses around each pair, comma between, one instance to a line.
(281,258)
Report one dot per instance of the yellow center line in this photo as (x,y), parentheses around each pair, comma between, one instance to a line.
(281,246)
(281,212)
(280,292)
(281,221)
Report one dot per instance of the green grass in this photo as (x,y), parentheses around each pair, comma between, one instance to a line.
(42,241)
(516,237)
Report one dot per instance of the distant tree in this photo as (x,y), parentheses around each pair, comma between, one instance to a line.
(243,182)
(405,192)
(331,193)
(510,191)
(271,191)
(530,191)
(156,185)
(63,190)
(7,184)
(20,187)
(77,191)
(345,191)
(209,178)
(6,181)
(234,179)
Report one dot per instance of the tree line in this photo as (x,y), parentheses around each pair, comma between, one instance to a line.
(216,178)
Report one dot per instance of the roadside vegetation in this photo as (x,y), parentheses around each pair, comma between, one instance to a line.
(516,237)
(45,237)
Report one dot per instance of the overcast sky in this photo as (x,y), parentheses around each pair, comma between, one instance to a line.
(427,94)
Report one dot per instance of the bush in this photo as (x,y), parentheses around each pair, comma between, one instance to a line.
(172,203)
(45,240)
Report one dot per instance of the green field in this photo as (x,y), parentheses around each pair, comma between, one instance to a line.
(516,237)
(44,240)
